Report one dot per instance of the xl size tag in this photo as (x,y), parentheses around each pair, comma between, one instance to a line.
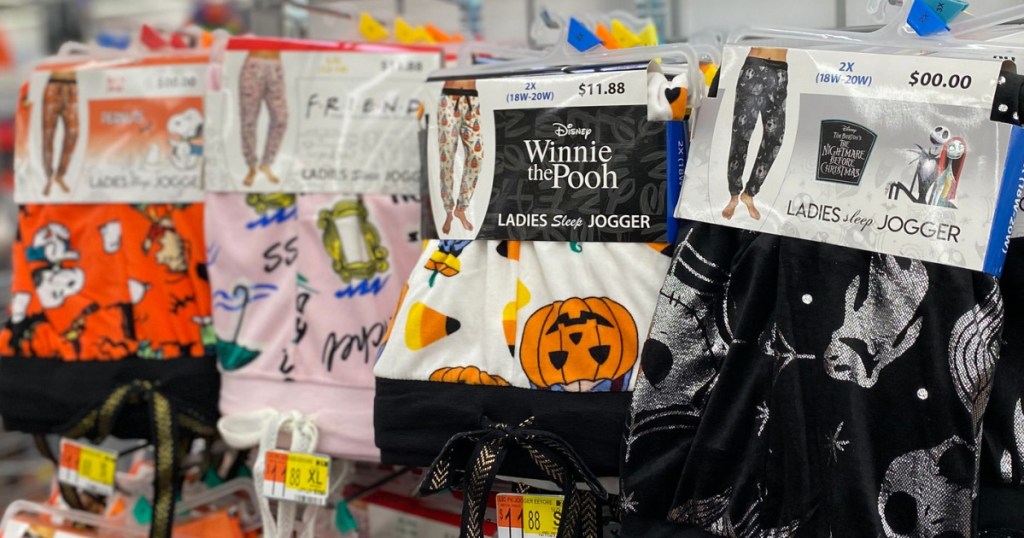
(89,468)
(291,476)
(528,516)
(891,154)
(546,158)
(304,116)
(113,131)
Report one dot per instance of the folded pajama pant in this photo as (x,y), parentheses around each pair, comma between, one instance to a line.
(502,331)
(793,388)
(110,332)
(303,288)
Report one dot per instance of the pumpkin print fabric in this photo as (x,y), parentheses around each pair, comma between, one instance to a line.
(303,287)
(505,330)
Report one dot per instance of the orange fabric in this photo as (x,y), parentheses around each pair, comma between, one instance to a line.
(216,525)
(103,282)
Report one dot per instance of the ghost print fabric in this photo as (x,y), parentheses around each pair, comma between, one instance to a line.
(792,388)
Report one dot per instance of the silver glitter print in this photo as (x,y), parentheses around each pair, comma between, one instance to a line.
(973,350)
(712,515)
(882,326)
(685,346)
(921,497)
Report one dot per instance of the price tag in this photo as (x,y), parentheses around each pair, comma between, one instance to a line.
(291,476)
(528,516)
(89,468)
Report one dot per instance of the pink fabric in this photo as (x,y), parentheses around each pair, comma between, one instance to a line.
(312,314)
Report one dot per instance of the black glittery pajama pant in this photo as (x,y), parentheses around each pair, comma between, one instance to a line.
(794,388)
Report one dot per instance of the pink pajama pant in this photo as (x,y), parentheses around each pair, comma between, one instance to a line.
(262,81)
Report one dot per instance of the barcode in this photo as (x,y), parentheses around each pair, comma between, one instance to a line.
(310,499)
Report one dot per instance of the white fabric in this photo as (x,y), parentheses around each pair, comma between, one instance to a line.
(263,427)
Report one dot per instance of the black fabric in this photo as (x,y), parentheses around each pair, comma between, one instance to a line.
(760,94)
(794,388)
(1009,98)
(585,420)
(1001,500)
(71,389)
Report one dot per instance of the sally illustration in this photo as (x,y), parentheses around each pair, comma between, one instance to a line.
(60,102)
(937,170)
(262,81)
(458,118)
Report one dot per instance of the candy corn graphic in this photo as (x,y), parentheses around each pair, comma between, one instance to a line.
(508,315)
(426,326)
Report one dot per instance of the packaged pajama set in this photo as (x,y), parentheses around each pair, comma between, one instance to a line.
(110,315)
(312,216)
(517,340)
(824,348)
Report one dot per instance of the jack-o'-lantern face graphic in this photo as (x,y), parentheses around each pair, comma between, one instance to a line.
(579,345)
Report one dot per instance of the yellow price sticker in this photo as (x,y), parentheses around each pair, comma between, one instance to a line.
(97,465)
(309,473)
(542,514)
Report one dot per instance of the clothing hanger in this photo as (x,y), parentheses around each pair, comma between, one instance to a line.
(895,35)
(367,27)
(991,20)
(566,59)
(468,51)
(58,518)
(239,493)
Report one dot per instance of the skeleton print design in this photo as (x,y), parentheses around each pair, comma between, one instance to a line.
(760,93)
(690,326)
(459,120)
(880,322)
(1007,462)
(973,351)
(927,493)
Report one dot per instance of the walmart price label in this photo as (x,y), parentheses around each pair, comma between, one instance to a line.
(89,468)
(291,476)
(528,516)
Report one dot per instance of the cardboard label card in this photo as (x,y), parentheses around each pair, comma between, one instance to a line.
(129,131)
(563,157)
(292,476)
(293,116)
(528,516)
(891,154)
(89,468)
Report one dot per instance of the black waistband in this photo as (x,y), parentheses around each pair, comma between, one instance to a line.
(459,91)
(61,81)
(774,64)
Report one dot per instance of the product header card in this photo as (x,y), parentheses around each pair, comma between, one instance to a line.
(891,154)
(317,120)
(545,158)
(112,132)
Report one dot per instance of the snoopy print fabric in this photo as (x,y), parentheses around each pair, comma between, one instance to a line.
(794,388)
(123,285)
(508,330)
(303,287)
(113,131)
